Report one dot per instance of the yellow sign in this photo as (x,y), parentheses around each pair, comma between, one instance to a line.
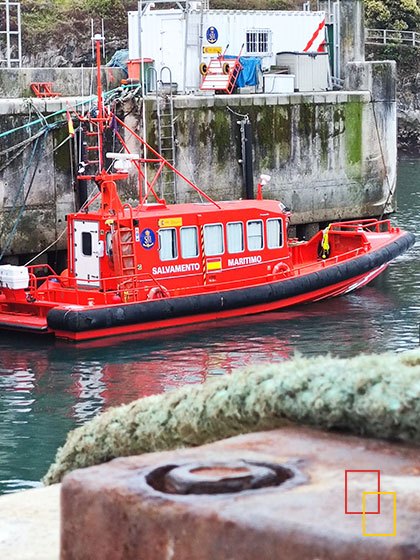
(212,50)
(170,222)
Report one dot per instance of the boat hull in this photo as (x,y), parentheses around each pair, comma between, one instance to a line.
(330,280)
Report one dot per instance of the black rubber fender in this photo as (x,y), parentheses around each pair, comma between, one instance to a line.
(157,310)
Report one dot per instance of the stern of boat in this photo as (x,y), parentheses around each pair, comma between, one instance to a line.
(20,310)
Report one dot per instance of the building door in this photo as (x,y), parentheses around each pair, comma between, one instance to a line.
(86,252)
(172,50)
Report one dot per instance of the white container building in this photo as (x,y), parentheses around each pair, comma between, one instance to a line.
(183,39)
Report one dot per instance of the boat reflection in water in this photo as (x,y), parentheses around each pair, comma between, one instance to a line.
(48,389)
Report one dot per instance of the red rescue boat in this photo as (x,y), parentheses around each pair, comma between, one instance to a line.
(157,265)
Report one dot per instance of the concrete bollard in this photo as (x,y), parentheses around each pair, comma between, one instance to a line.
(271,495)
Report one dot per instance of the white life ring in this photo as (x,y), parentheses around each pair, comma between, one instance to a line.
(281,268)
(158,292)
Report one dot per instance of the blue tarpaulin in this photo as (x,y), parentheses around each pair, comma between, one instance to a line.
(119,60)
(251,67)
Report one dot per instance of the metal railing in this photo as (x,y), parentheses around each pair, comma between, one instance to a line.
(10,34)
(54,288)
(368,224)
(392,37)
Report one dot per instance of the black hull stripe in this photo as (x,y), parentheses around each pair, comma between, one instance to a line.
(158,310)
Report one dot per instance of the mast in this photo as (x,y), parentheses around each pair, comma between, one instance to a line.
(98,38)
(110,201)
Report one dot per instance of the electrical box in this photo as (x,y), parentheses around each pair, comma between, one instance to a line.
(311,69)
(14,277)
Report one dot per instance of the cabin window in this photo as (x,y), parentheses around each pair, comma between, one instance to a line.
(213,240)
(255,235)
(274,234)
(235,237)
(168,250)
(258,41)
(189,242)
(87,243)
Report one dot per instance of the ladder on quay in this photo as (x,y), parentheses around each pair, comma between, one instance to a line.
(166,130)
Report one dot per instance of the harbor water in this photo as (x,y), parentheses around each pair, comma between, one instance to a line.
(49,387)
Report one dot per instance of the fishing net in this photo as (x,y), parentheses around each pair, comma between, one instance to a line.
(373,395)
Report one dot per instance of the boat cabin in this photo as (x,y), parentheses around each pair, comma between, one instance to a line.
(181,246)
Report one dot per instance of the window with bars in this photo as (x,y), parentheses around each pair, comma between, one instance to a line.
(258,41)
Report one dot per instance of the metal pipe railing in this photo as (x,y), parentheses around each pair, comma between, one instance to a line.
(392,37)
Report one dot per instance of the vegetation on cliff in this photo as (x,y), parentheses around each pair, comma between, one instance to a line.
(393,14)
(47,20)
(402,15)
(43,20)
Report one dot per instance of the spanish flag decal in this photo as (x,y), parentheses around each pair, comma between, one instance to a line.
(214,265)
(170,222)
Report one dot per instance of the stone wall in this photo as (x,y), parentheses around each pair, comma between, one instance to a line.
(352,33)
(16,82)
(48,190)
(408,92)
(323,151)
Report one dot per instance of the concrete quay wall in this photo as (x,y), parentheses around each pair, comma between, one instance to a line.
(331,155)
(16,82)
(34,183)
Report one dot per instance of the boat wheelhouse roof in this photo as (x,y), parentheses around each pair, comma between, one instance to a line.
(206,208)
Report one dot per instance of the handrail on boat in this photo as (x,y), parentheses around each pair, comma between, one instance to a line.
(137,286)
(143,282)
(32,267)
(35,280)
(365,225)
(108,287)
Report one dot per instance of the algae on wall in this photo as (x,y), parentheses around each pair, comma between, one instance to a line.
(31,174)
(319,150)
(353,115)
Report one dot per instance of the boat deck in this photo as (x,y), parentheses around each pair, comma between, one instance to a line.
(23,322)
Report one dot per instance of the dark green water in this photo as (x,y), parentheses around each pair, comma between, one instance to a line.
(47,388)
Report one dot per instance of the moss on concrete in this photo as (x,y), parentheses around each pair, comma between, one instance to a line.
(307,120)
(62,155)
(220,131)
(324,135)
(377,395)
(353,129)
(272,134)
